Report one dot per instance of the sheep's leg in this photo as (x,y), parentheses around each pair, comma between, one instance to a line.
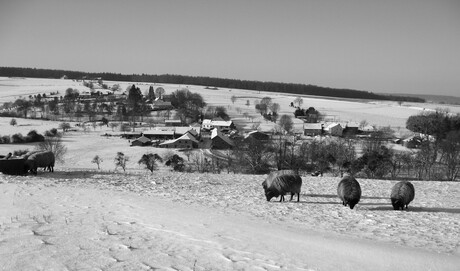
(292,195)
(298,197)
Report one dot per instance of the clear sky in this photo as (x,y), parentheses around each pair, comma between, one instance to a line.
(380,46)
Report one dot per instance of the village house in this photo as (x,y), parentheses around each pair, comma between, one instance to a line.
(159,105)
(351,129)
(368,129)
(220,141)
(313,129)
(173,122)
(257,135)
(187,141)
(159,134)
(141,141)
(221,125)
(334,129)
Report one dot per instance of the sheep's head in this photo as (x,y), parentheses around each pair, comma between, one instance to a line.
(397,204)
(269,194)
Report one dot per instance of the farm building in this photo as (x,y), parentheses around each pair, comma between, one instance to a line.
(334,129)
(220,141)
(173,123)
(221,125)
(351,129)
(368,129)
(412,142)
(182,130)
(141,141)
(313,129)
(131,135)
(159,134)
(159,105)
(187,141)
(257,135)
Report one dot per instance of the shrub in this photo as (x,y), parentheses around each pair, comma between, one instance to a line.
(13,122)
(17,138)
(33,136)
(5,139)
(52,132)
(176,162)
(150,161)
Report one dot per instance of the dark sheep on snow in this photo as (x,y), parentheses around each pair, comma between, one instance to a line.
(279,183)
(349,191)
(402,194)
(43,159)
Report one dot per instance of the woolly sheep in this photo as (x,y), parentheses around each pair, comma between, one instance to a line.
(349,191)
(281,182)
(402,194)
(44,159)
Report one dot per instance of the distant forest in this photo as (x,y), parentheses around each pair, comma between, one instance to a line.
(300,89)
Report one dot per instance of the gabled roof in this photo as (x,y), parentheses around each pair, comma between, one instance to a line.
(368,128)
(173,121)
(332,125)
(255,133)
(185,129)
(159,132)
(142,139)
(313,126)
(352,125)
(216,133)
(217,122)
(187,136)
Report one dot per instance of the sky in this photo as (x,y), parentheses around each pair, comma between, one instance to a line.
(393,46)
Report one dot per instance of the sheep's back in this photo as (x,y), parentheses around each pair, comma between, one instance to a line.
(403,191)
(42,159)
(349,189)
(283,181)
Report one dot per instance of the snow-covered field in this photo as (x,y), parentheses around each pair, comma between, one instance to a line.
(91,220)
(81,218)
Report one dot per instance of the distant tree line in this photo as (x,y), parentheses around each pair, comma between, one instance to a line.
(300,89)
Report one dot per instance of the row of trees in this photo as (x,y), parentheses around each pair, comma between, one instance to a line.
(206,81)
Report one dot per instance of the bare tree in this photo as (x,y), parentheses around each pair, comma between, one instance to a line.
(298,101)
(97,160)
(55,145)
(120,160)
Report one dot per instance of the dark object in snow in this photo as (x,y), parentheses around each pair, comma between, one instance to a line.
(280,182)
(43,159)
(13,166)
(402,194)
(349,191)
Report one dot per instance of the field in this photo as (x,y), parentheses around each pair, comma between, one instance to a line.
(81,218)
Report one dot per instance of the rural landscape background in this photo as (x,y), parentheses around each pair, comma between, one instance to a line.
(165,117)
(194,217)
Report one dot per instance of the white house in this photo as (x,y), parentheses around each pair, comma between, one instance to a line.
(334,129)
(221,125)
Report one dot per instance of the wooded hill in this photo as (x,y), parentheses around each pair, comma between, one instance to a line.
(300,89)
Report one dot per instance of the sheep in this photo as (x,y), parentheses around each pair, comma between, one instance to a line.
(402,194)
(44,159)
(281,182)
(349,191)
